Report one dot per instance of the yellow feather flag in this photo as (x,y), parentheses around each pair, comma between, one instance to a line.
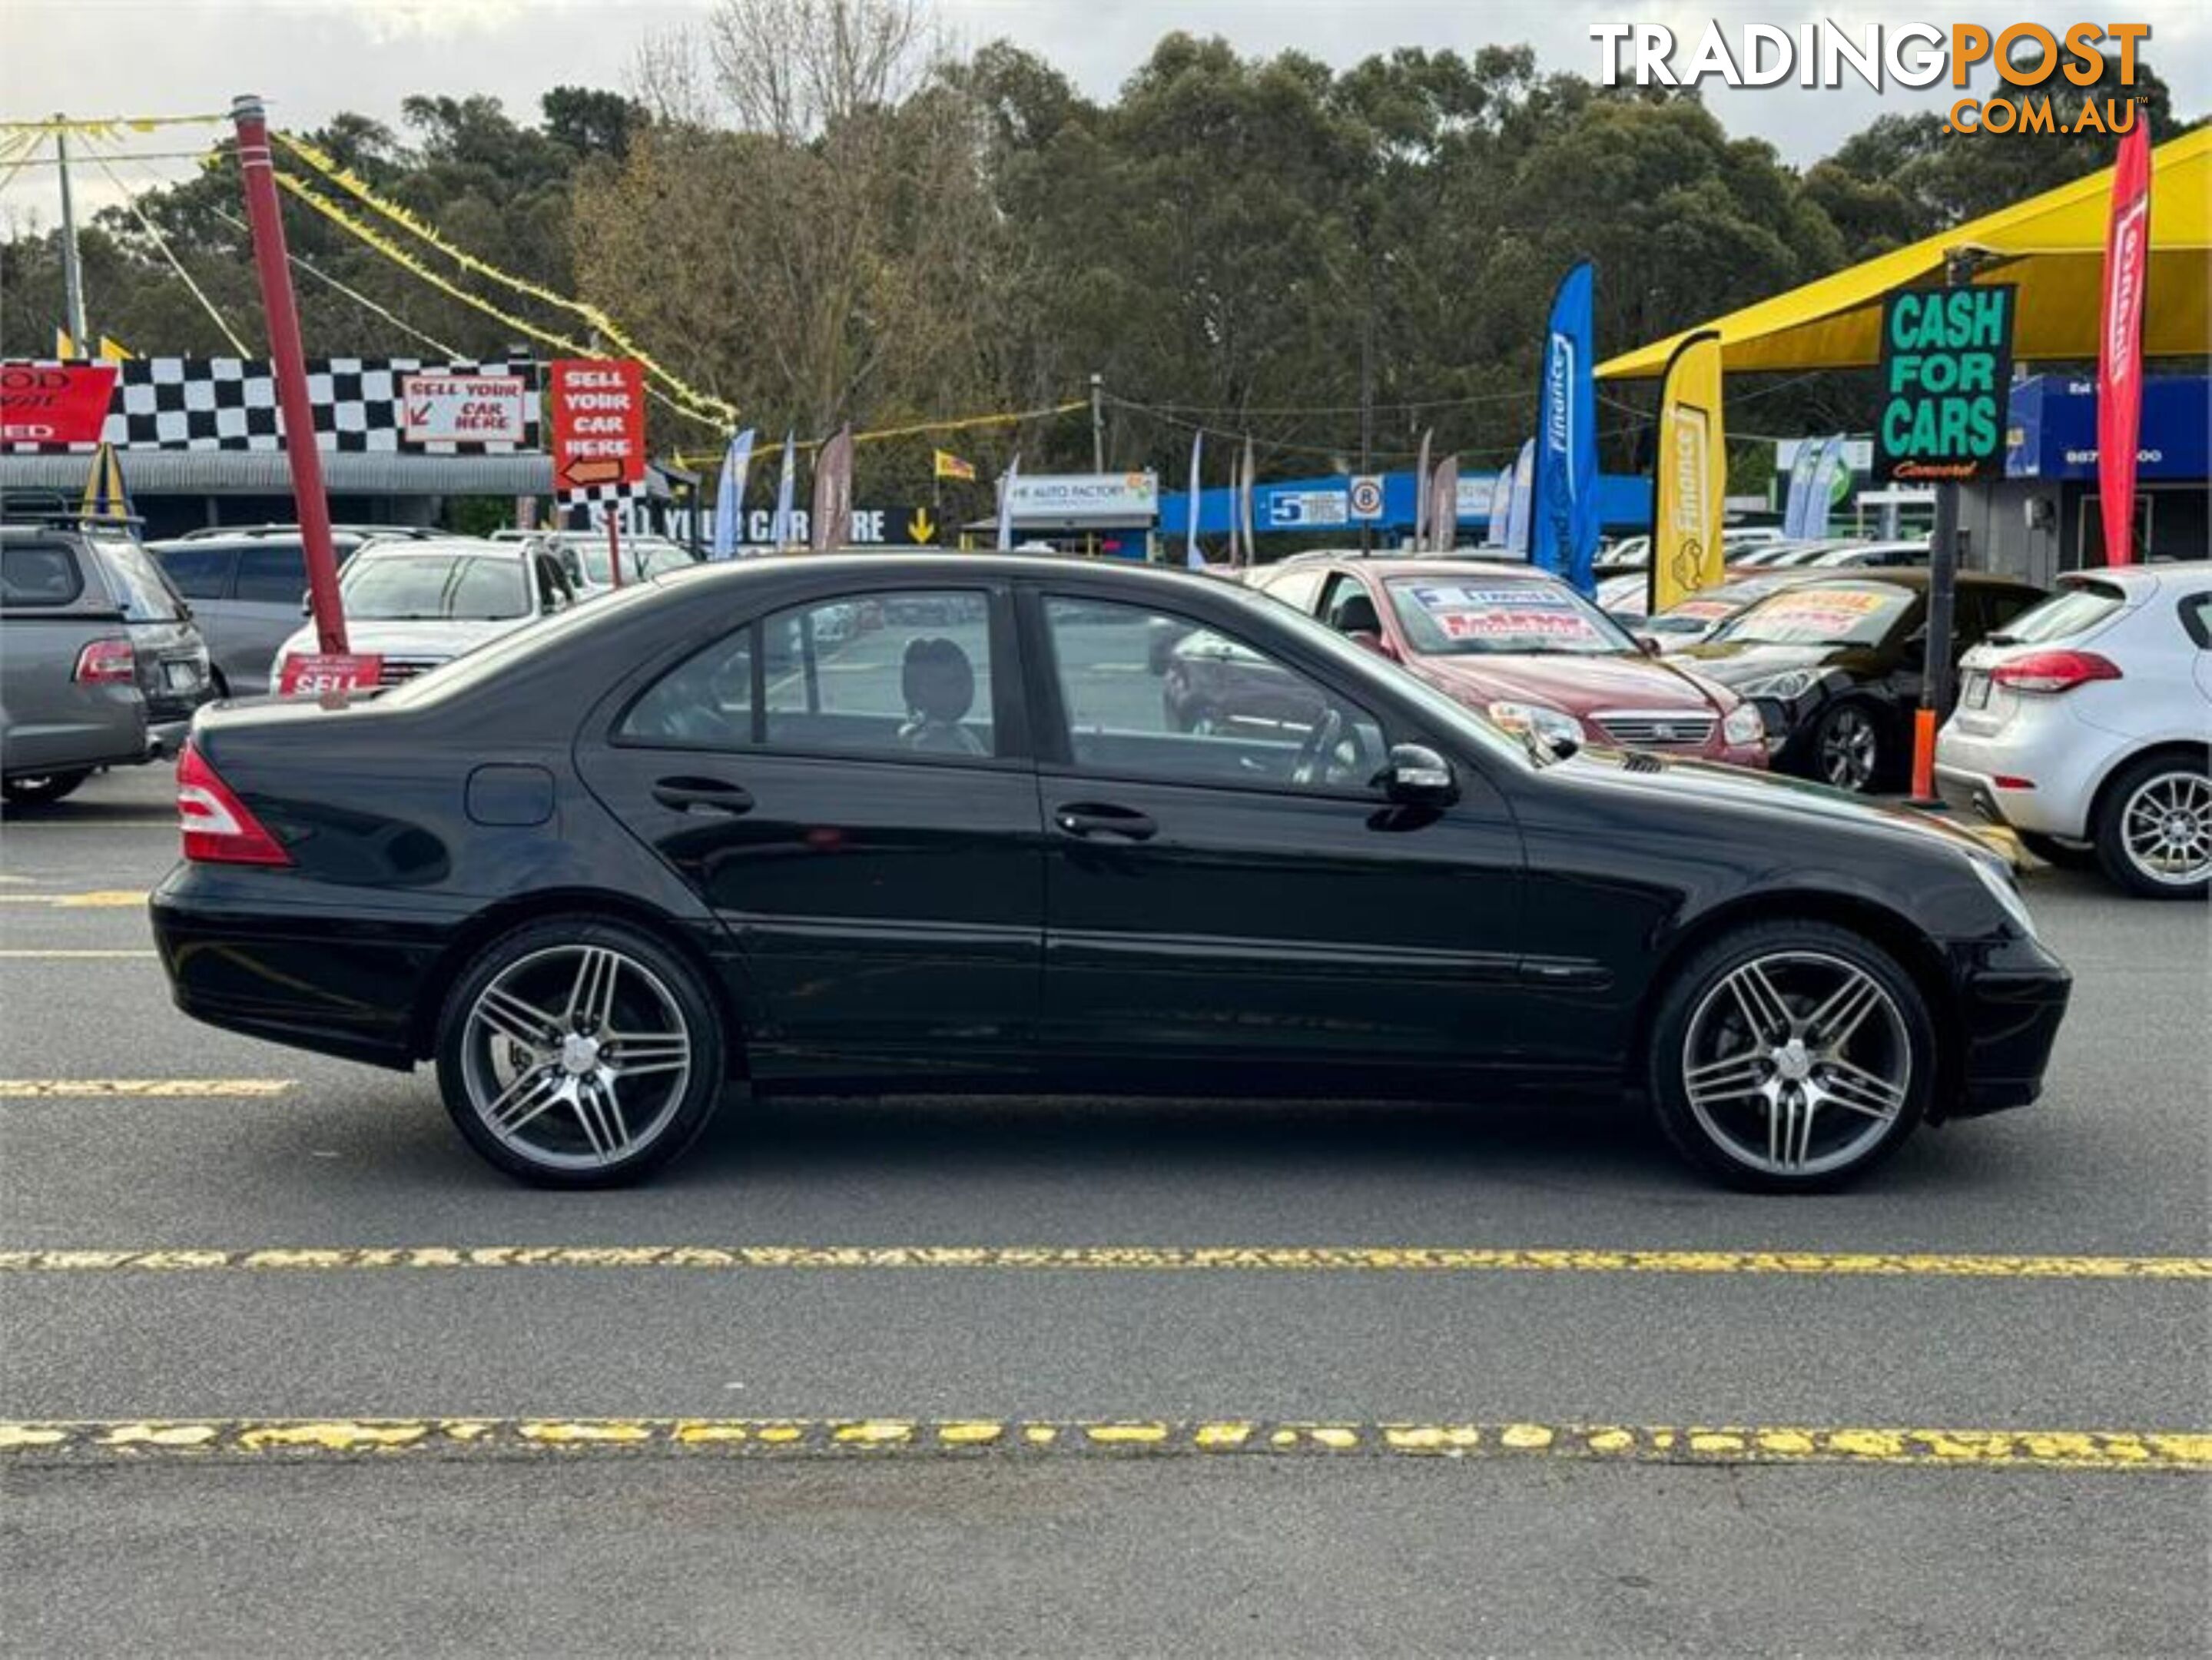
(105,496)
(1689,475)
(64,345)
(946,464)
(114,351)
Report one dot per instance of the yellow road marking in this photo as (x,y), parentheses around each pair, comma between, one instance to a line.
(1087,1259)
(96,899)
(77,955)
(50,1089)
(2123,1450)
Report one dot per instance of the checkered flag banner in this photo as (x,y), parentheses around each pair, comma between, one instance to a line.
(230,403)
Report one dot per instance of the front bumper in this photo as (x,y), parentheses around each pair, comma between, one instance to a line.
(2012,999)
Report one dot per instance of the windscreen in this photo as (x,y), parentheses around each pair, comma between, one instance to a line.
(1491,616)
(1821,615)
(419,588)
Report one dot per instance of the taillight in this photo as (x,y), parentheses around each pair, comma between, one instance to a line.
(2054,671)
(218,828)
(107,663)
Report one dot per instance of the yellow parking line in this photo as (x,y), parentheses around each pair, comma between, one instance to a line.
(76,956)
(94,899)
(1138,1259)
(38,1089)
(118,1439)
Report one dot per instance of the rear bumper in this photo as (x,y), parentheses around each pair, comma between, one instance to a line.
(244,955)
(2012,1001)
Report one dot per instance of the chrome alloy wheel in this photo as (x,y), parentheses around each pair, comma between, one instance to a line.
(575,1057)
(1848,748)
(1796,1063)
(2165,826)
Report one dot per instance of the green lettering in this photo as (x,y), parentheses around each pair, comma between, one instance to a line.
(1903,319)
(1978,372)
(1952,440)
(1984,422)
(1894,419)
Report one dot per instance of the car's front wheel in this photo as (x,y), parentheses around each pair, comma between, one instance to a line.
(1790,1056)
(1848,748)
(37,789)
(579,1053)
(2155,828)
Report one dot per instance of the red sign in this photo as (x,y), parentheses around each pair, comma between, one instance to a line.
(2120,350)
(307,673)
(598,421)
(50,404)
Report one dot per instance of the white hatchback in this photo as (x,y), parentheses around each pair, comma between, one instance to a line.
(2085,724)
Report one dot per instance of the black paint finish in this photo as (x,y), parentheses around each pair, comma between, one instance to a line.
(1016,920)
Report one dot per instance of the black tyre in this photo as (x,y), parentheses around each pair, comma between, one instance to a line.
(39,789)
(1790,1057)
(2067,856)
(2153,829)
(579,1053)
(1850,747)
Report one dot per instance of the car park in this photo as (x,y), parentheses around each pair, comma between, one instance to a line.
(100,665)
(615,866)
(1521,647)
(1836,662)
(2085,723)
(417,605)
(245,590)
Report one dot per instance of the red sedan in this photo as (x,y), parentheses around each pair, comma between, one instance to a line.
(1523,648)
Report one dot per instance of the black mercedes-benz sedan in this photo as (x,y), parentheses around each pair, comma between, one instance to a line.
(923,822)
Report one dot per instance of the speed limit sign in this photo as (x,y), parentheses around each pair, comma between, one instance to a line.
(1367,497)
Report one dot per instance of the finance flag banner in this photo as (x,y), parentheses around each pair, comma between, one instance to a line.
(1946,369)
(1563,520)
(1501,509)
(730,495)
(2119,348)
(1689,476)
(599,424)
(831,523)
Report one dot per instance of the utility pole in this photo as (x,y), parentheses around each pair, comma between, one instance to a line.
(72,272)
(1367,400)
(1098,423)
(1942,585)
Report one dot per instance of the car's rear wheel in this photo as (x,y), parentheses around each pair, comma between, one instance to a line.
(1790,1057)
(1848,748)
(2155,828)
(579,1053)
(37,789)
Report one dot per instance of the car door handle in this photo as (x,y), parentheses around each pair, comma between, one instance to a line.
(1090,818)
(708,795)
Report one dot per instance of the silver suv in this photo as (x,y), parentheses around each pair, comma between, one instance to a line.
(100,665)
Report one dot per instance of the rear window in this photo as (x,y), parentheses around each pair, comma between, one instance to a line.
(2197,618)
(39,574)
(141,590)
(2080,607)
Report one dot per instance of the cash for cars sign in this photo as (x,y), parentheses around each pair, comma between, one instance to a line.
(599,422)
(1945,372)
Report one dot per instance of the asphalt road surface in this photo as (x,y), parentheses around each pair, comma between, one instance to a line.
(284,1370)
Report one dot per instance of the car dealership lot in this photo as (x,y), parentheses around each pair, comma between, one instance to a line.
(125,1128)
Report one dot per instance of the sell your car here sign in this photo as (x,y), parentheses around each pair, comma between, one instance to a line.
(464,408)
(599,422)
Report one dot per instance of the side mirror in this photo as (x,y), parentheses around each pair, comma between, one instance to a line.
(1648,645)
(1417,776)
(1367,641)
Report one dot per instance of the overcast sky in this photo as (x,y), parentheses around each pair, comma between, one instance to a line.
(311,58)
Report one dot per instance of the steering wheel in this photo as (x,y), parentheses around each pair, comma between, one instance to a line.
(1316,763)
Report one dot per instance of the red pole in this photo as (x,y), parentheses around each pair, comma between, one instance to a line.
(614,547)
(291,363)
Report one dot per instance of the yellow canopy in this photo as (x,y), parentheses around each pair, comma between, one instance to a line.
(2051,245)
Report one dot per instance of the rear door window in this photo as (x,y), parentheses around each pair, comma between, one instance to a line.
(141,590)
(198,573)
(2196,613)
(36,575)
(275,574)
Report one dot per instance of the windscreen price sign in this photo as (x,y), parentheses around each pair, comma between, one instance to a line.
(599,422)
(1945,372)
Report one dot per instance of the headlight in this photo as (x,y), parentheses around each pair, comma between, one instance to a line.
(1743,725)
(1790,682)
(1546,725)
(2001,889)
